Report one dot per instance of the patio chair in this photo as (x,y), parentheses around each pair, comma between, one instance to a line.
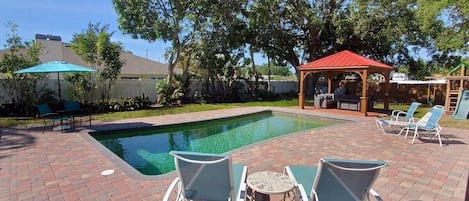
(336,179)
(405,115)
(73,108)
(429,123)
(202,176)
(49,116)
(382,123)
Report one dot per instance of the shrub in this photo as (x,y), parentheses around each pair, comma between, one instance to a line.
(168,94)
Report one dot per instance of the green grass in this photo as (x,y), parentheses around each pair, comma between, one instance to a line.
(446,121)
(112,116)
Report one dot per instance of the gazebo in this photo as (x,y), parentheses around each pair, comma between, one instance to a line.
(347,62)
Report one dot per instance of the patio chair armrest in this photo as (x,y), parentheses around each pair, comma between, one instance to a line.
(401,114)
(375,195)
(49,114)
(241,194)
(395,112)
(175,184)
(435,125)
(413,120)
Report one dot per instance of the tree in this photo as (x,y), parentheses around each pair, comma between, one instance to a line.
(95,48)
(295,32)
(447,22)
(20,87)
(300,31)
(274,70)
(157,20)
(198,30)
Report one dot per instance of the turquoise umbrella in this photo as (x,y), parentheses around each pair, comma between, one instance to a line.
(56,67)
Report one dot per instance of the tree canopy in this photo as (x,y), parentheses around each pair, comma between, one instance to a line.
(397,32)
(95,48)
(20,87)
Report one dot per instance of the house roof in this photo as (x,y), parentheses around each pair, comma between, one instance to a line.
(344,60)
(134,66)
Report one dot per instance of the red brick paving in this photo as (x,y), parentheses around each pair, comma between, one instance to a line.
(67,166)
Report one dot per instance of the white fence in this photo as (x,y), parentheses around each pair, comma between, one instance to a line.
(129,88)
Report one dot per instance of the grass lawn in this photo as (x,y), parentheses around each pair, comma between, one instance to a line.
(112,116)
(446,121)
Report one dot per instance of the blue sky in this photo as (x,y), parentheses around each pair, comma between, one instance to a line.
(67,17)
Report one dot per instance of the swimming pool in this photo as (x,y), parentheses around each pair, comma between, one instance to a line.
(147,149)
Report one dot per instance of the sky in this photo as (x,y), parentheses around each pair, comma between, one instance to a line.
(65,18)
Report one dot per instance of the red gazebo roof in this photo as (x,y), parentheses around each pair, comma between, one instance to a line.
(344,59)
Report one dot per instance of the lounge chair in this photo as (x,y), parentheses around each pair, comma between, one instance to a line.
(49,116)
(204,176)
(429,123)
(405,115)
(382,123)
(73,108)
(336,179)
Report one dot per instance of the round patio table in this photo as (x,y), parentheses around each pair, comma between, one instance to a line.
(268,182)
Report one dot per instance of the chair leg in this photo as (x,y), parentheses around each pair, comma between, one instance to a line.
(380,126)
(61,126)
(439,137)
(415,135)
(44,127)
(406,132)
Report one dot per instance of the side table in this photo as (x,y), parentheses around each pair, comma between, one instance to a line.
(268,182)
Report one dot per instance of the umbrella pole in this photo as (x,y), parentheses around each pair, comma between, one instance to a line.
(60,93)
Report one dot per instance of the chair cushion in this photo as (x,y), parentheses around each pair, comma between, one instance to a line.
(238,175)
(304,175)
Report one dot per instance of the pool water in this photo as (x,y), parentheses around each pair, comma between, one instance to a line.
(147,149)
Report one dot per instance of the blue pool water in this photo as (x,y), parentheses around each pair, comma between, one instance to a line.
(147,149)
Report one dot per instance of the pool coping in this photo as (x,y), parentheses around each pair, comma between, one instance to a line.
(135,174)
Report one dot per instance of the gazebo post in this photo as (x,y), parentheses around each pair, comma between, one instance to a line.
(387,86)
(329,82)
(364,98)
(301,100)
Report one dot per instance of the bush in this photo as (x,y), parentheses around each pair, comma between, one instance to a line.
(168,94)
(122,104)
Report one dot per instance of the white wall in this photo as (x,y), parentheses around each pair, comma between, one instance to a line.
(131,88)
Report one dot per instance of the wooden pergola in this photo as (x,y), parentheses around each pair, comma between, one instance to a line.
(344,62)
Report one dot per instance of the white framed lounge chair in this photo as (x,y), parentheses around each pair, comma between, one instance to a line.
(397,115)
(428,123)
(203,176)
(382,123)
(336,179)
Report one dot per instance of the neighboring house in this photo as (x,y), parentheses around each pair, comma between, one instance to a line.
(134,67)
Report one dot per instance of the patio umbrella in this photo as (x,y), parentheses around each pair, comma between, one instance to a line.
(56,67)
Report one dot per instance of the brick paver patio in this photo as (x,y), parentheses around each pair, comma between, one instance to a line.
(67,166)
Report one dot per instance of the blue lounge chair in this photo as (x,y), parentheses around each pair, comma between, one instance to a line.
(336,179)
(204,176)
(428,123)
(73,108)
(405,115)
(49,116)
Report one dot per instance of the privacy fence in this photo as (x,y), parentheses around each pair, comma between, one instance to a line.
(129,88)
(400,93)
